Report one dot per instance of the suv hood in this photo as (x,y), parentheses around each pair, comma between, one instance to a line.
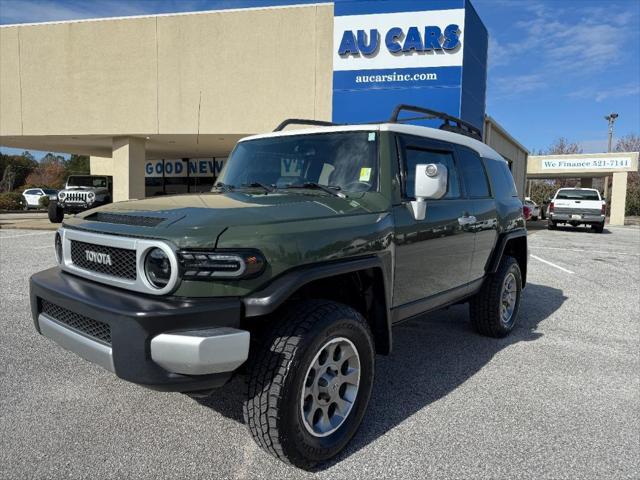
(200,218)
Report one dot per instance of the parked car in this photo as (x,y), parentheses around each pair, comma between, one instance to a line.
(81,193)
(292,271)
(32,196)
(535,209)
(576,206)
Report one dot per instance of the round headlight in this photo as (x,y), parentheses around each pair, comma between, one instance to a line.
(58,246)
(91,195)
(61,195)
(157,268)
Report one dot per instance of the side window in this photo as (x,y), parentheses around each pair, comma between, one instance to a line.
(473,174)
(30,192)
(416,156)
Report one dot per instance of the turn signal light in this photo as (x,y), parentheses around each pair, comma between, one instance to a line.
(551,207)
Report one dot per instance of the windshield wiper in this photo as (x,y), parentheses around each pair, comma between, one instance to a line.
(224,187)
(264,186)
(330,189)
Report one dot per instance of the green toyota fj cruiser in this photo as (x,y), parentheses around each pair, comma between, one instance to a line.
(292,271)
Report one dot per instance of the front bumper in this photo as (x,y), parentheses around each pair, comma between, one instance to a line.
(170,344)
(577,218)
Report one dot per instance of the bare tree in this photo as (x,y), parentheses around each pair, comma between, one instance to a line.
(562,146)
(628,143)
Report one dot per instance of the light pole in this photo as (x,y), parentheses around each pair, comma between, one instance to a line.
(611,118)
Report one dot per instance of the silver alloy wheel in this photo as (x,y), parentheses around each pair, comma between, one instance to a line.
(330,388)
(508,298)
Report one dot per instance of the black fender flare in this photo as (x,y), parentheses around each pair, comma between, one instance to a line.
(268,299)
(504,238)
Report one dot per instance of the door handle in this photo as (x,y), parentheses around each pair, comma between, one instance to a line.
(467,220)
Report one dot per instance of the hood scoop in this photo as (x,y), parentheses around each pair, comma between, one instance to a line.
(120,219)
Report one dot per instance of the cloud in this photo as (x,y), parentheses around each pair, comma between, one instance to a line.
(33,11)
(601,94)
(566,39)
(514,85)
(560,45)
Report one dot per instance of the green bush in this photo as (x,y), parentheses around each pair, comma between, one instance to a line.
(44,201)
(633,194)
(11,201)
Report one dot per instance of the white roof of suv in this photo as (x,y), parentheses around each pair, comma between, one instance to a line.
(427,132)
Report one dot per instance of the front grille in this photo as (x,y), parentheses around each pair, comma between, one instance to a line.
(121,262)
(576,211)
(73,197)
(87,326)
(137,220)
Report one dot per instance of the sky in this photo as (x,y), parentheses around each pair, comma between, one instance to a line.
(556,67)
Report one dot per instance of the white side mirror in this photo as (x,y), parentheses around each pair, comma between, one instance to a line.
(431,184)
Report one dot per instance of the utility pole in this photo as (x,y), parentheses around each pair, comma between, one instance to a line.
(611,118)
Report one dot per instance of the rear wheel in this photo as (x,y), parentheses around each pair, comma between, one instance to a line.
(56,213)
(494,309)
(551,225)
(310,382)
(599,227)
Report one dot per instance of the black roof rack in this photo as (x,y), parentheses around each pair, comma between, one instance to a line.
(302,121)
(459,126)
(449,123)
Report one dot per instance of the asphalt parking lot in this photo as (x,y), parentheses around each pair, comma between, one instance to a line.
(559,398)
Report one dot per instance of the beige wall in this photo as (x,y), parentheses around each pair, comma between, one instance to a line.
(131,76)
(498,139)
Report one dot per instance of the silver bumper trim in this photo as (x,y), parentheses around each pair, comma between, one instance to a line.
(88,349)
(583,218)
(201,352)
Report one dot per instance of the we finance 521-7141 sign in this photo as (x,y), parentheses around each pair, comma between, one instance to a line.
(587,164)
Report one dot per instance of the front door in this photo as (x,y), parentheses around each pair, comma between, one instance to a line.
(432,255)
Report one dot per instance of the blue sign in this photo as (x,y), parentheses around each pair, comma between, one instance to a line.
(386,52)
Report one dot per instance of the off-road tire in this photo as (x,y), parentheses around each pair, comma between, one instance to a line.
(598,228)
(485,306)
(552,225)
(277,374)
(56,213)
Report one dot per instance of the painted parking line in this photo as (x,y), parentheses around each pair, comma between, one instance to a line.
(583,250)
(551,264)
(2,237)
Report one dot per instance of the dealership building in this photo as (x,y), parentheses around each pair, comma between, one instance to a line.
(159,101)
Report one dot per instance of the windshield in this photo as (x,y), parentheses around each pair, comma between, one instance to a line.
(87,181)
(342,161)
(577,195)
(49,191)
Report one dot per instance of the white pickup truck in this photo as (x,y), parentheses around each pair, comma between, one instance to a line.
(577,206)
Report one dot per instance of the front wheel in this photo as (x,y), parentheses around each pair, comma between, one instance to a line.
(56,213)
(310,382)
(494,309)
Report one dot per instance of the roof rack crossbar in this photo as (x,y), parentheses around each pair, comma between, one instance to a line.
(460,125)
(302,121)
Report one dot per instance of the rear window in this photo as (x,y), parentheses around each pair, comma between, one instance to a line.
(577,195)
(473,174)
(501,178)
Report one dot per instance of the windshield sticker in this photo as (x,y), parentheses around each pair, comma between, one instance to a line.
(365,174)
(372,136)
(290,167)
